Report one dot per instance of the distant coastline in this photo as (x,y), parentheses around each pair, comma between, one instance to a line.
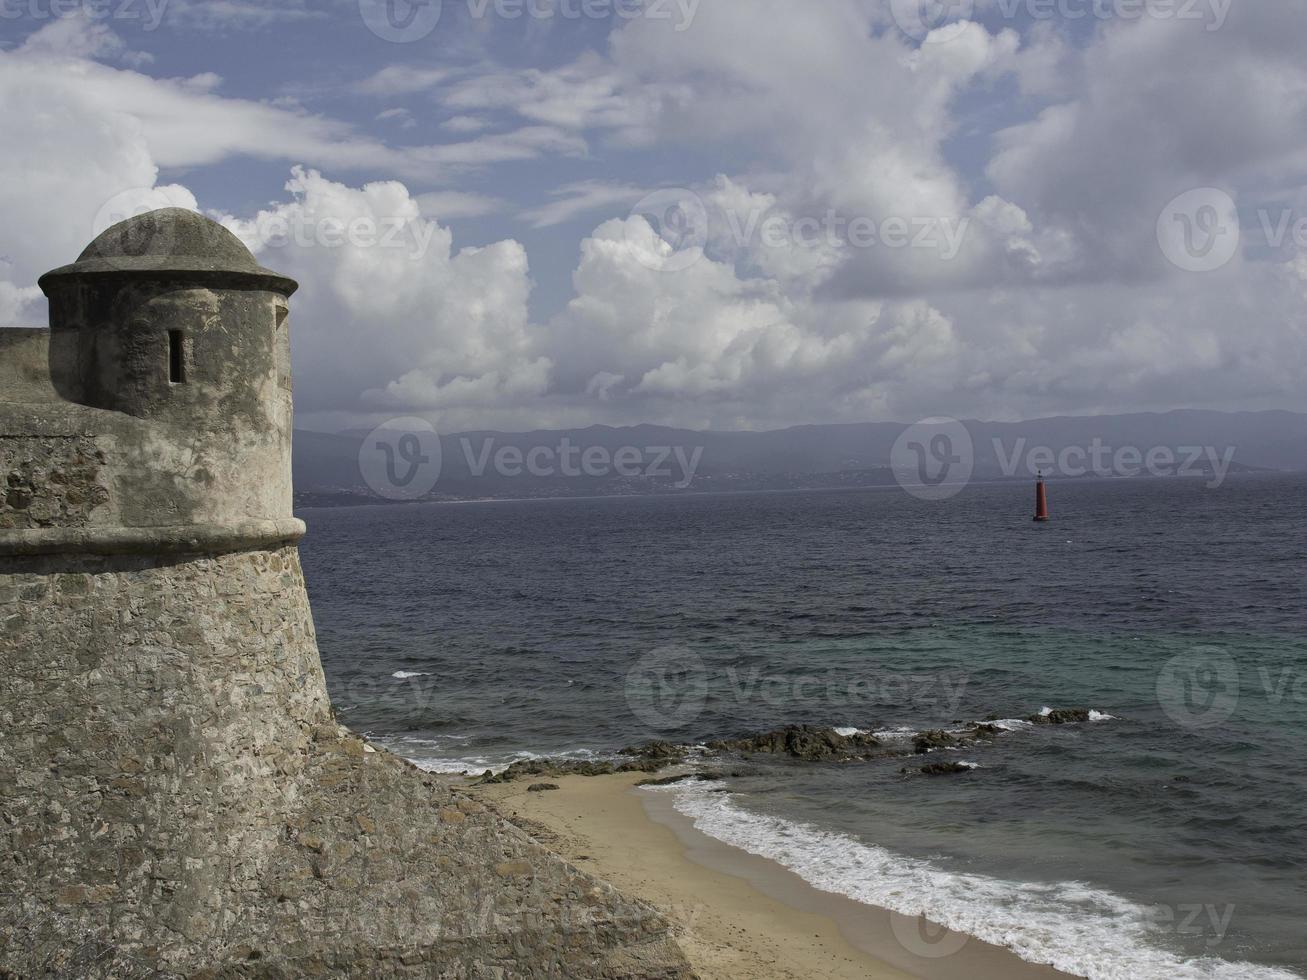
(537,490)
(354,467)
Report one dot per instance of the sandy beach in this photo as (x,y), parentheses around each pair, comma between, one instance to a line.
(738,917)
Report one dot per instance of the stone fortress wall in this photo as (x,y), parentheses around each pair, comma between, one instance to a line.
(176,798)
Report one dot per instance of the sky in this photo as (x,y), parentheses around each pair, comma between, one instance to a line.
(727,214)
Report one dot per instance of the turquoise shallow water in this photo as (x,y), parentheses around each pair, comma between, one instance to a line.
(1171,833)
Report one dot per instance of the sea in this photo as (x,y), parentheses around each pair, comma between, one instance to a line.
(1165,838)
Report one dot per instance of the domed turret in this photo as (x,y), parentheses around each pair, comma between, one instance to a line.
(168,319)
(172,241)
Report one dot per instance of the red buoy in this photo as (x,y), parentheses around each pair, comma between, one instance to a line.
(1041,501)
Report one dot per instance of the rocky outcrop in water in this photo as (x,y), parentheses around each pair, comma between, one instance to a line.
(806,743)
(803,743)
(1062,716)
(933,740)
(667,752)
(944,769)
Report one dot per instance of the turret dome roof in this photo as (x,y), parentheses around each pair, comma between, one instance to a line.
(171,242)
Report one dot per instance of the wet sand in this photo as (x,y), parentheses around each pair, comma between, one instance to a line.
(739,916)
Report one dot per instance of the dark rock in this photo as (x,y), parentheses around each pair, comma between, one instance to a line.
(542,787)
(1062,716)
(668,751)
(804,742)
(945,769)
(930,741)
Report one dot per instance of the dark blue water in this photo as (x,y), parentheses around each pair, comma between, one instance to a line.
(583,626)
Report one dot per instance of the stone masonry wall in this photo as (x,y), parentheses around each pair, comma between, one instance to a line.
(152,715)
(176,800)
(50,481)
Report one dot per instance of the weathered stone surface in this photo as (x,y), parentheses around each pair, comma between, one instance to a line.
(174,789)
(176,798)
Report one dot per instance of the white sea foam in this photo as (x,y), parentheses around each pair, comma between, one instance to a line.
(410,748)
(849,732)
(890,734)
(1085,931)
(455,767)
(1100,716)
(1012,724)
(403,675)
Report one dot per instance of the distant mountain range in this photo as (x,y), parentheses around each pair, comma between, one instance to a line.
(601,460)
